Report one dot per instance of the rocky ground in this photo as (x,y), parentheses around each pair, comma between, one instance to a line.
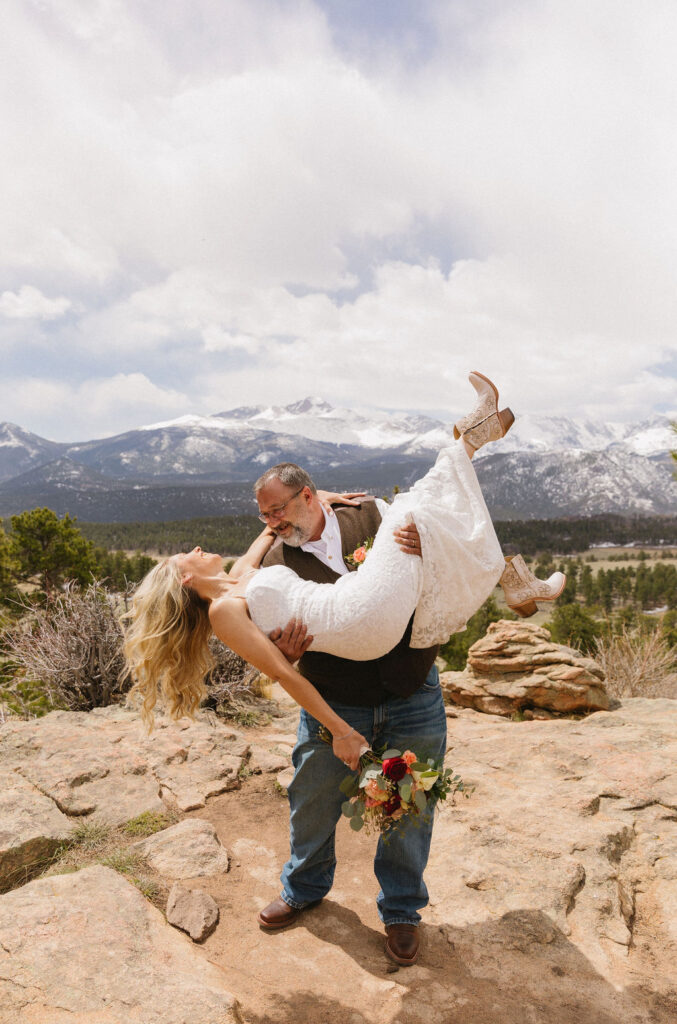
(553,888)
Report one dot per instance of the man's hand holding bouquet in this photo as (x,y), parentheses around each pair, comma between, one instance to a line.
(393,786)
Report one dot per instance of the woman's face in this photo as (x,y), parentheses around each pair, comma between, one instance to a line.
(198,563)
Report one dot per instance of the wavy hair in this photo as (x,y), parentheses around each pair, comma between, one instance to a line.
(166,644)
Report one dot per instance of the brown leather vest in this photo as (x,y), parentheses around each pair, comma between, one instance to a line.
(359,683)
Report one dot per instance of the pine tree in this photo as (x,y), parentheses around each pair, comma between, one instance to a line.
(574,626)
(455,651)
(7,587)
(50,548)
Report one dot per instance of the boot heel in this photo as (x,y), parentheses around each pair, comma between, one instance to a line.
(525,610)
(506,419)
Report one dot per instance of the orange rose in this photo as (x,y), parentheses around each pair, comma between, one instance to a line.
(409,757)
(373,791)
(359,554)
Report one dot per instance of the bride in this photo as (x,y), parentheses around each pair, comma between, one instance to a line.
(361,616)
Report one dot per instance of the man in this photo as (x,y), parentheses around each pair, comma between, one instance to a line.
(394,701)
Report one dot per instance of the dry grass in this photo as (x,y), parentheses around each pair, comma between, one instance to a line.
(638,665)
(618,558)
(6,714)
(98,842)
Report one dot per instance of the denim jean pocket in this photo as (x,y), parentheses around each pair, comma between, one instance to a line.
(309,728)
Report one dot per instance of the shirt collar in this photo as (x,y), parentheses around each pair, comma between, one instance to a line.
(323,538)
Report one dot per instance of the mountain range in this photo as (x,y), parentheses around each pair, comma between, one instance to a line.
(204,465)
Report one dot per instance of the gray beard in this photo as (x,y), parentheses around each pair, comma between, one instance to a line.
(296,538)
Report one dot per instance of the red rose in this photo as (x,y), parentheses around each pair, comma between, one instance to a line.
(394,768)
(391,805)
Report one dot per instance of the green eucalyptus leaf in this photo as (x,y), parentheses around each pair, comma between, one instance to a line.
(405,791)
(356,823)
(348,809)
(349,786)
(391,753)
(420,800)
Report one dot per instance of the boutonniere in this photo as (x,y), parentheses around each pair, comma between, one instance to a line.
(359,554)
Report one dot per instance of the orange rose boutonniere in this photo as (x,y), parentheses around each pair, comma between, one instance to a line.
(359,554)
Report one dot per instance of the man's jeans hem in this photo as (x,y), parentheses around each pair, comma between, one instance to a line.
(290,901)
(402,920)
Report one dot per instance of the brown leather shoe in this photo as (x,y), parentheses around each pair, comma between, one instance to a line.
(402,943)
(277,914)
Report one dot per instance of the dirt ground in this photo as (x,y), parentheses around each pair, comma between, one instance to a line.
(329,967)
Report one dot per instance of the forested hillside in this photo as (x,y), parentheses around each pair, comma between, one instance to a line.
(566,536)
(230,534)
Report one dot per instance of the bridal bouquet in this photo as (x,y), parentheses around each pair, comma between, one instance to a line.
(393,785)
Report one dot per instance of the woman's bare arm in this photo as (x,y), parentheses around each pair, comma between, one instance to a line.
(254,554)
(232,625)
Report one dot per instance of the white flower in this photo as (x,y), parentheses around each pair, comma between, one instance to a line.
(427,779)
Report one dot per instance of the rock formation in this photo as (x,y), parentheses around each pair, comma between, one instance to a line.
(565,856)
(188,850)
(57,770)
(89,947)
(516,666)
(553,896)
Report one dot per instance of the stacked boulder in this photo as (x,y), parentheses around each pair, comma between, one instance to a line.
(516,668)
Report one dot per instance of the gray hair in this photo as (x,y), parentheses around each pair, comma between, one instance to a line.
(289,474)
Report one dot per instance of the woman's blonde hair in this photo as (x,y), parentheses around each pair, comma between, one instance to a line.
(166,643)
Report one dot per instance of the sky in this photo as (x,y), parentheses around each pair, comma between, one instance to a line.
(213,203)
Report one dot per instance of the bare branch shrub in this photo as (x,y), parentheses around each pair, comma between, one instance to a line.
(231,677)
(69,656)
(638,664)
(71,650)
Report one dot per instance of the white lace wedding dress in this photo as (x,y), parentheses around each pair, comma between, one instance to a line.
(364,614)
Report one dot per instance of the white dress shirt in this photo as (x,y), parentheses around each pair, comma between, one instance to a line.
(328,548)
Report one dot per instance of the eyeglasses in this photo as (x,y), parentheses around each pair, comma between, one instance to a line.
(277,513)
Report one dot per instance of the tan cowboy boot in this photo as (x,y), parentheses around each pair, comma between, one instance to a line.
(522,589)
(485,423)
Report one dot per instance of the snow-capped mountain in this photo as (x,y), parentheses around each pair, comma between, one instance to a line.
(576,483)
(545,466)
(202,447)
(314,418)
(20,450)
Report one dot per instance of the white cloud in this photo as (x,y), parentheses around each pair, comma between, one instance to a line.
(410,342)
(30,304)
(95,408)
(288,218)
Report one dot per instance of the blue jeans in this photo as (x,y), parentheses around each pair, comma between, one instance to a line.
(417,723)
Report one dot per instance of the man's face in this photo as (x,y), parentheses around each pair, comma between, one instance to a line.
(291,516)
